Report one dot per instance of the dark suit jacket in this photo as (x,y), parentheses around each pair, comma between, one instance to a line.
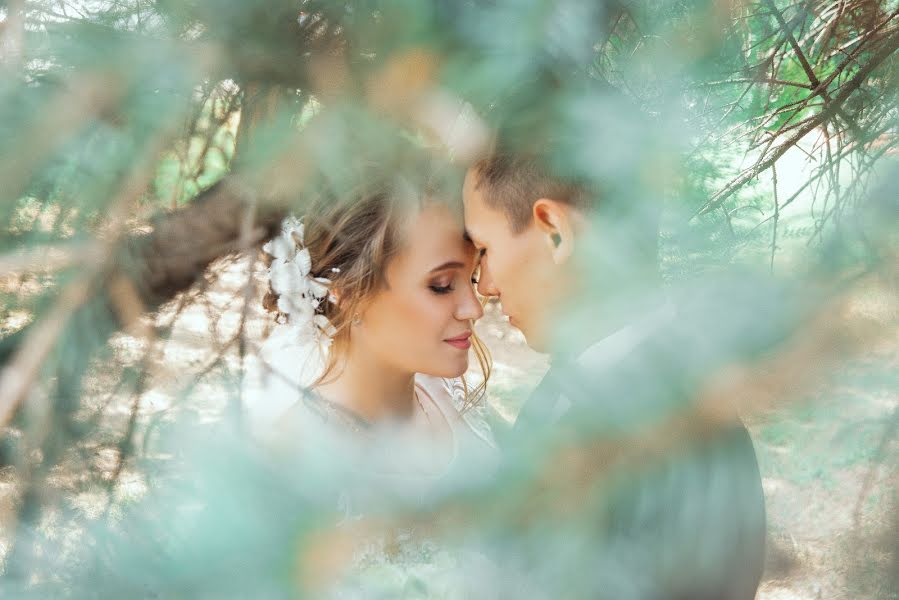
(683,521)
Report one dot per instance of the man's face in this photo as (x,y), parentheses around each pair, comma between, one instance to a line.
(517,268)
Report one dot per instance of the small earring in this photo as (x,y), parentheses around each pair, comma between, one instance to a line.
(557,239)
(357,320)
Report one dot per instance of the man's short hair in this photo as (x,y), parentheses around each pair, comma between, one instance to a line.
(512,183)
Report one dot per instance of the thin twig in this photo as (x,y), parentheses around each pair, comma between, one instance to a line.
(776,217)
(126,444)
(742,80)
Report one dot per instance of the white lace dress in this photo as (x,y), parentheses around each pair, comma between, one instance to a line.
(407,466)
(408,561)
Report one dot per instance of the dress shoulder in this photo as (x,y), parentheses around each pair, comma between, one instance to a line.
(449,393)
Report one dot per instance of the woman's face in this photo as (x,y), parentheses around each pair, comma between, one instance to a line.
(421,321)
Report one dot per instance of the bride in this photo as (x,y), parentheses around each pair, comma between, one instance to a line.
(374,291)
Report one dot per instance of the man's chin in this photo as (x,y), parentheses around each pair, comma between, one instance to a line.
(531,338)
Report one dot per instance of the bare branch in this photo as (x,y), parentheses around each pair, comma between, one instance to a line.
(800,55)
(742,80)
(890,45)
(776,217)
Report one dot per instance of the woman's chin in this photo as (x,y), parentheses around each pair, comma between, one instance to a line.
(450,370)
(459,372)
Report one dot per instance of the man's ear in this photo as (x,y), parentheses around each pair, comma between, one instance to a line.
(553,220)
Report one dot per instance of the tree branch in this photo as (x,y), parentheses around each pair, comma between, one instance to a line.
(890,46)
(791,39)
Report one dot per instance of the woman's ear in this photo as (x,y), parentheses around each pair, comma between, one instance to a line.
(553,219)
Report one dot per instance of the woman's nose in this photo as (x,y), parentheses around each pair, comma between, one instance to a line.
(469,308)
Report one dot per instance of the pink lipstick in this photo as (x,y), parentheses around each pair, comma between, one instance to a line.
(460,341)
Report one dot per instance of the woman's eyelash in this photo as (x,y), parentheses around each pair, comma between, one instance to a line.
(446,289)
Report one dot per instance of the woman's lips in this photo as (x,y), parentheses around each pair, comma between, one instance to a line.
(460,341)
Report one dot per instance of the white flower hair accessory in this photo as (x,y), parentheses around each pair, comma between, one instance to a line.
(299,293)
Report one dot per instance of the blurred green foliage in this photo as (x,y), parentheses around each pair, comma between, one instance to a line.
(116,115)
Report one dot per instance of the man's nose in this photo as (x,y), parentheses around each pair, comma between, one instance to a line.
(486,285)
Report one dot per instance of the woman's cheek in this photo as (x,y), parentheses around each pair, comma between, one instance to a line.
(413,315)
(429,315)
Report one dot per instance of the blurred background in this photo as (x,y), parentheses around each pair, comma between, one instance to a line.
(149,147)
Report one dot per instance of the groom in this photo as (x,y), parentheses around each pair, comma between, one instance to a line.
(576,270)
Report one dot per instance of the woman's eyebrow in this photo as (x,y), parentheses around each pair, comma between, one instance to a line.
(453,264)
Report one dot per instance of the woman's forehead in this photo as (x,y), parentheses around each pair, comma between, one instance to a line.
(434,233)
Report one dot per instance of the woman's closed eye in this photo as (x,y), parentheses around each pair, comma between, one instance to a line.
(446,287)
(441,287)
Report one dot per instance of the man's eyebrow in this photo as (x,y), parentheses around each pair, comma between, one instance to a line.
(453,264)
